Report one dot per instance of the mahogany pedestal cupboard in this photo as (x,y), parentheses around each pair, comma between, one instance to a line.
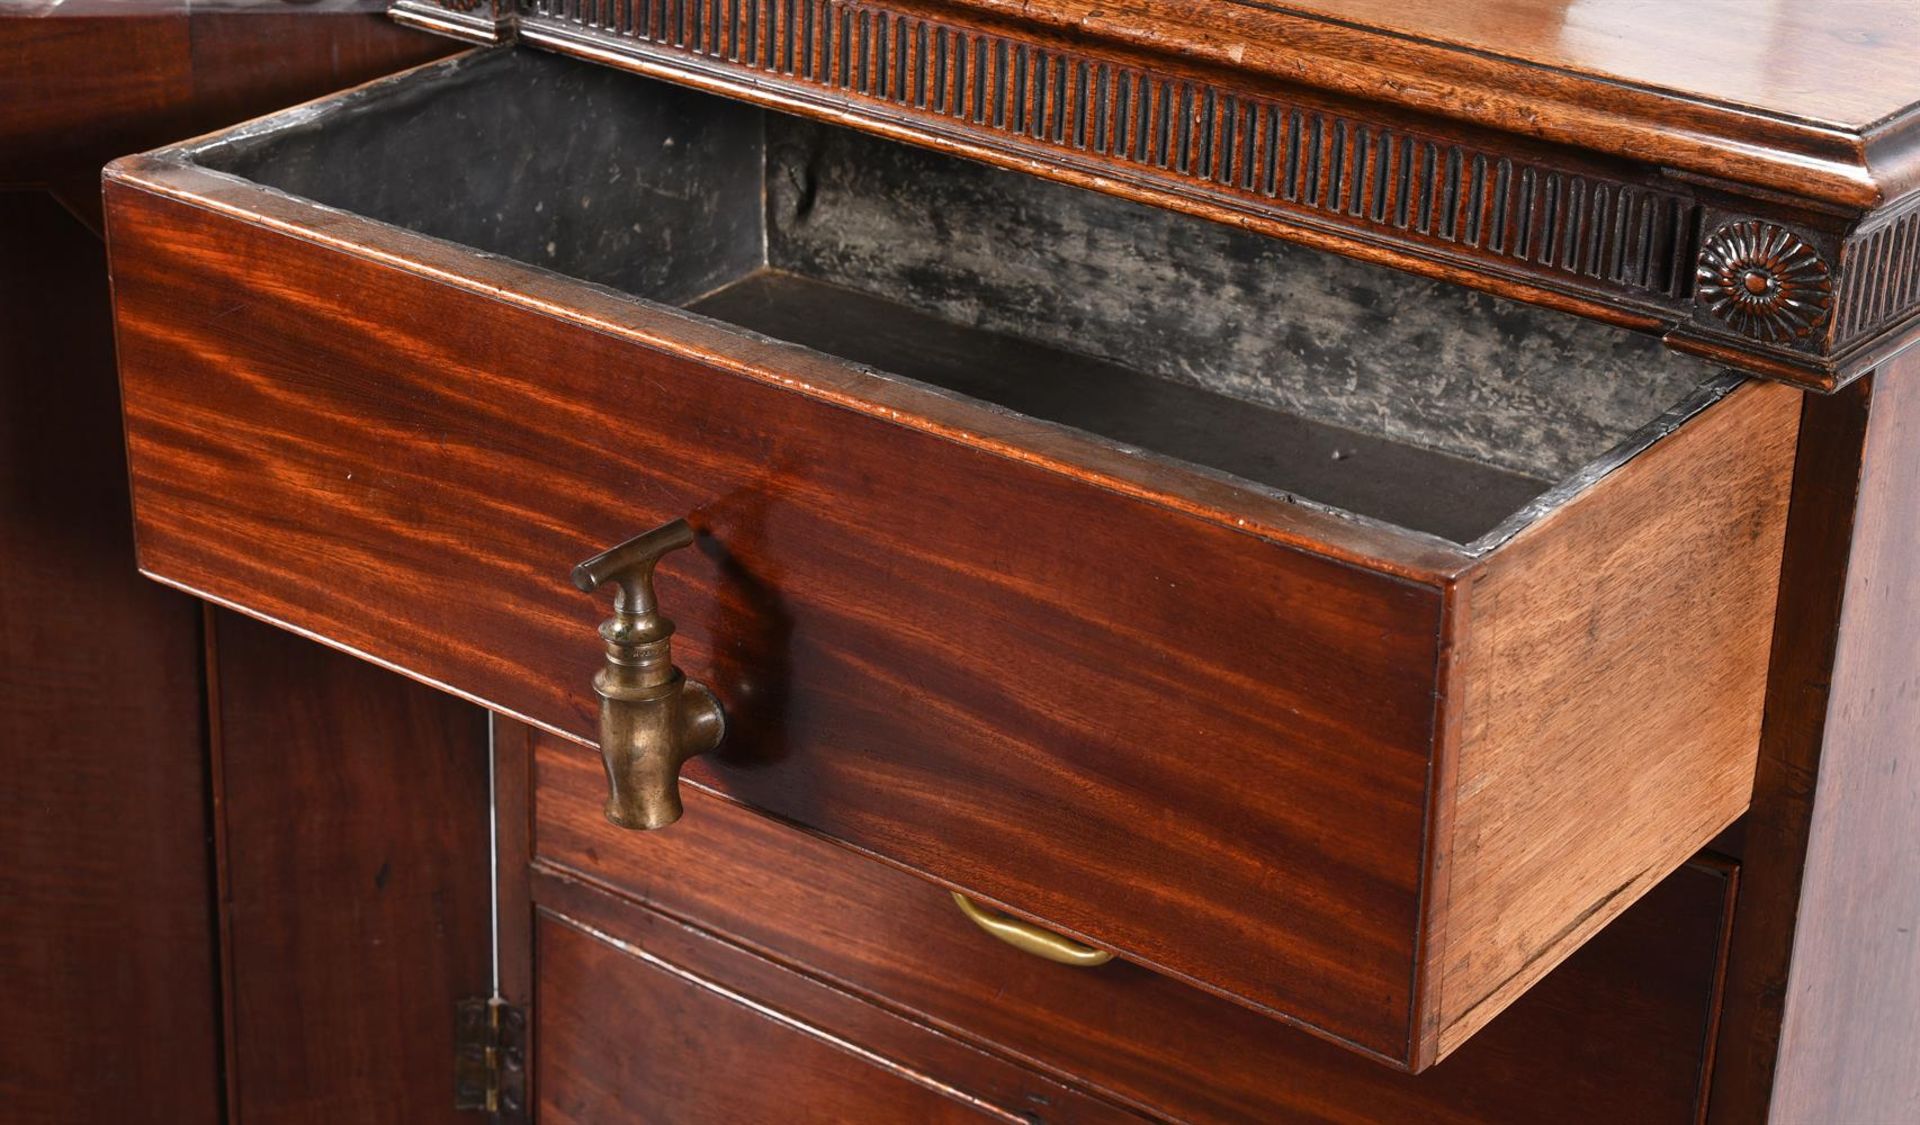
(1206,562)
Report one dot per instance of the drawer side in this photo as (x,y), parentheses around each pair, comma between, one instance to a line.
(1613,660)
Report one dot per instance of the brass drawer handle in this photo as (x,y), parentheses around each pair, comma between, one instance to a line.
(1029,938)
(652,718)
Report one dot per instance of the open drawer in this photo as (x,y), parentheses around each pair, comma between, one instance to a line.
(1340,642)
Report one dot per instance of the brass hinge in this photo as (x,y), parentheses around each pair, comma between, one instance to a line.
(490,1059)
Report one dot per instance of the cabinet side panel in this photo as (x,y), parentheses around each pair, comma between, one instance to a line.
(1853,992)
(1617,656)
(1773,834)
(106,900)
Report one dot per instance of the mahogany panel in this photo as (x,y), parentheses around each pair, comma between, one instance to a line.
(645,1018)
(1852,1001)
(1837,64)
(352,814)
(1619,1032)
(250,56)
(82,89)
(635,1040)
(108,941)
(106,917)
(1772,838)
(1004,676)
(85,82)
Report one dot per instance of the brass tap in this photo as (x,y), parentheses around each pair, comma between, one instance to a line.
(652,718)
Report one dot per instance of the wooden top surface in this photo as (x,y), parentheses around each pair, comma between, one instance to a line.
(1814,100)
(1846,64)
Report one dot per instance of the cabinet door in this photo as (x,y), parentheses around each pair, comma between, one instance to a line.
(352,816)
(625,1036)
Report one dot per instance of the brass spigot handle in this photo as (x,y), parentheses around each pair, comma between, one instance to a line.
(1029,938)
(652,718)
(630,566)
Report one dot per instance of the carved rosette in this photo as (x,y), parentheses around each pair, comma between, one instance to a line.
(1764,281)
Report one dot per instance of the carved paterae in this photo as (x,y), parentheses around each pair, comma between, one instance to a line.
(1764,281)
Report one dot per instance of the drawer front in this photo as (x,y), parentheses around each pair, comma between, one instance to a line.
(697,1055)
(1616,1033)
(1200,748)
(642,1020)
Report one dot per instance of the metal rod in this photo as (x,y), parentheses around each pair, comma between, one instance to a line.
(493,852)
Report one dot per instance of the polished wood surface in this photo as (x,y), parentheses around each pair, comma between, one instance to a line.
(85,81)
(1773,837)
(1815,101)
(1842,63)
(698,1054)
(351,821)
(1617,1033)
(1820,939)
(106,907)
(1310,682)
(643,1018)
(1852,1003)
(80,90)
(1585,684)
